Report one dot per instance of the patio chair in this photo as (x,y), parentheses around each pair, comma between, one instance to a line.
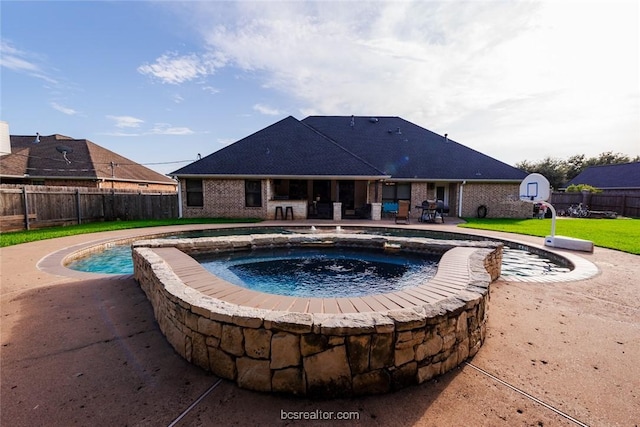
(403,211)
(389,209)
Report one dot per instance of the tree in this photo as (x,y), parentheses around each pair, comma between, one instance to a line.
(608,158)
(551,168)
(574,165)
(559,172)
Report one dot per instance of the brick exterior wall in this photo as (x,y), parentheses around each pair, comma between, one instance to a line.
(224,198)
(122,185)
(501,200)
(419,193)
(372,192)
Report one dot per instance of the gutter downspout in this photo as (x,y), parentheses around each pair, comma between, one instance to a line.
(179,198)
(460,199)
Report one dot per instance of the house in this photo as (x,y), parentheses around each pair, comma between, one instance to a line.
(346,167)
(58,160)
(620,185)
(623,178)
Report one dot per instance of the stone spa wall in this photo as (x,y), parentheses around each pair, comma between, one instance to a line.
(320,354)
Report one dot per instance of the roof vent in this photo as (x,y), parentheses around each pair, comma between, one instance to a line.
(37,140)
(446,137)
(373,120)
(353,121)
(398,131)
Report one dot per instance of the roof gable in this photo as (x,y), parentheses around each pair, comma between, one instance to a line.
(623,175)
(286,148)
(16,163)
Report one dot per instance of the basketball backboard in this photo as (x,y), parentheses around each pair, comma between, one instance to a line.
(535,188)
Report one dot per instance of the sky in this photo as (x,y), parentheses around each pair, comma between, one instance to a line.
(160,82)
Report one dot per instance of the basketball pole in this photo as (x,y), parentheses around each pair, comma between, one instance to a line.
(553,217)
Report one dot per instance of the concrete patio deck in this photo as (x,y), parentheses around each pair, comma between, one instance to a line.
(84,349)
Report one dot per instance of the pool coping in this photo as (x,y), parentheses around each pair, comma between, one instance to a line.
(451,277)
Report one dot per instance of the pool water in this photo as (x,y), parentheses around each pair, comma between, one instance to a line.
(517,262)
(322,273)
(114,259)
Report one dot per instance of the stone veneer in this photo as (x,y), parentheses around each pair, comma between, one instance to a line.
(319,354)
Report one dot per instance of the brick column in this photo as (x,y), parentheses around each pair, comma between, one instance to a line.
(376,211)
(337,211)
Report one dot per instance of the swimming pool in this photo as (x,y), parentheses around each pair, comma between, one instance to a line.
(517,261)
(333,346)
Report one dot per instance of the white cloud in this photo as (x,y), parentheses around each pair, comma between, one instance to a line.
(22,62)
(167,129)
(13,59)
(212,90)
(121,134)
(532,74)
(172,68)
(62,109)
(267,110)
(126,121)
(403,58)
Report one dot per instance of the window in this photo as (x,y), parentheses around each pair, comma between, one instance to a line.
(403,191)
(394,191)
(194,193)
(253,193)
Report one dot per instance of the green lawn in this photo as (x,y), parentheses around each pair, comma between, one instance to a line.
(620,234)
(16,237)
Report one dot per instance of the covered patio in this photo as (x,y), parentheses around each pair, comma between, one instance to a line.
(323,198)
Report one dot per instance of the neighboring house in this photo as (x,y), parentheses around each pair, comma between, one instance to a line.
(623,178)
(58,160)
(342,167)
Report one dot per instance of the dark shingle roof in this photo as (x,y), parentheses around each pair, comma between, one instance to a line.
(84,159)
(619,176)
(333,146)
(406,150)
(286,148)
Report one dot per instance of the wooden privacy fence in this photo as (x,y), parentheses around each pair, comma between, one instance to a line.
(623,204)
(26,207)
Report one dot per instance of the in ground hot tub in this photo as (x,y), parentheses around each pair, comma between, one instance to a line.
(320,346)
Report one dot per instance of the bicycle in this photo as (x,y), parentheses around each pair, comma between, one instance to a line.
(578,211)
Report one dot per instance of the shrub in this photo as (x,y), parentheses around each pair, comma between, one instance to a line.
(576,188)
